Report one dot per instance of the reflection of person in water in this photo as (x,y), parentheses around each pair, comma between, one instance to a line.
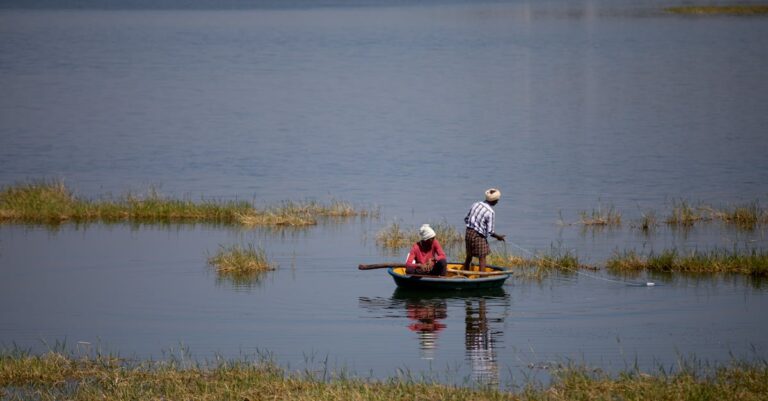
(426,316)
(479,342)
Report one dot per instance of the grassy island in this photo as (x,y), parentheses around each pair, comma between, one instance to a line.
(51,202)
(752,262)
(54,376)
(755,9)
(238,259)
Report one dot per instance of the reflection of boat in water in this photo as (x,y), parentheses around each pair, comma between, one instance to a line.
(480,341)
(427,314)
(491,277)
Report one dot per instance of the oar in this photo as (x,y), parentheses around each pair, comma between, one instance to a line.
(378,266)
(470,272)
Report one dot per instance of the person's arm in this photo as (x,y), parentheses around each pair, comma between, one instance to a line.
(492,227)
(411,261)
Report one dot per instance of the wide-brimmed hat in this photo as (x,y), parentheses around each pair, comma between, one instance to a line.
(492,195)
(426,232)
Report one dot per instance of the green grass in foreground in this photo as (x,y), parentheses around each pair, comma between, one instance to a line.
(753,262)
(55,376)
(51,202)
(754,9)
(237,259)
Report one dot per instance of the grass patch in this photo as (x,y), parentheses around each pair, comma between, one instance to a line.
(58,376)
(51,202)
(538,266)
(741,10)
(648,221)
(745,216)
(395,236)
(684,215)
(601,217)
(753,262)
(240,259)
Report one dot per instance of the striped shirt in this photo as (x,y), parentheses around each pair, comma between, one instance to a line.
(480,218)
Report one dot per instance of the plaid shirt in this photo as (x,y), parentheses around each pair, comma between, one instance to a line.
(480,218)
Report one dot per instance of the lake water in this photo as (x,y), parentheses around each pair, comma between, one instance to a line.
(564,106)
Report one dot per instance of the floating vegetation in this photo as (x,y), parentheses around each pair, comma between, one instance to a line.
(751,261)
(237,259)
(741,10)
(601,217)
(396,237)
(54,376)
(51,202)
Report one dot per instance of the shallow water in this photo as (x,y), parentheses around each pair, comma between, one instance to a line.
(564,106)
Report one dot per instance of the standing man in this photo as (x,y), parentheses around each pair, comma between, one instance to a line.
(480,224)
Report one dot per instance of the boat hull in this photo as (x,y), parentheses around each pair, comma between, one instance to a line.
(450,282)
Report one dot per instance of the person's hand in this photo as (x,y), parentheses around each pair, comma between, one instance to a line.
(499,237)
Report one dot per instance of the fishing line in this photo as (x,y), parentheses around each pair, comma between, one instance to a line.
(577,271)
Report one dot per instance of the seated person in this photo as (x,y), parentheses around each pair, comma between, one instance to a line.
(426,256)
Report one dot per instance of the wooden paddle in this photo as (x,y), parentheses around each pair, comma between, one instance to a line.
(470,272)
(379,266)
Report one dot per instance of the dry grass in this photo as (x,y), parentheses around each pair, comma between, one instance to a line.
(602,216)
(396,237)
(55,376)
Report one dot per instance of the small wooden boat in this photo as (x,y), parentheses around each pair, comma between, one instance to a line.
(455,279)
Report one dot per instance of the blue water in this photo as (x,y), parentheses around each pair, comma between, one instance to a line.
(564,106)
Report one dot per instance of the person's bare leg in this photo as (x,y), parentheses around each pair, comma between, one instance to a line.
(467,261)
(482,263)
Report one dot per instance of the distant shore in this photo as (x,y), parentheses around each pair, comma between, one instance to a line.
(719,10)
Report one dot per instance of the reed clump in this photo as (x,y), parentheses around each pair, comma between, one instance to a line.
(751,261)
(51,202)
(239,259)
(684,215)
(602,217)
(395,236)
(54,376)
(745,216)
(740,10)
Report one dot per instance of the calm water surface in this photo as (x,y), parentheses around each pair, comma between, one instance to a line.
(416,110)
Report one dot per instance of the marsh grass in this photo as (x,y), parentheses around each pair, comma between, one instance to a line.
(684,215)
(741,10)
(51,202)
(602,217)
(745,216)
(740,261)
(648,221)
(395,236)
(239,260)
(54,376)
(537,266)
